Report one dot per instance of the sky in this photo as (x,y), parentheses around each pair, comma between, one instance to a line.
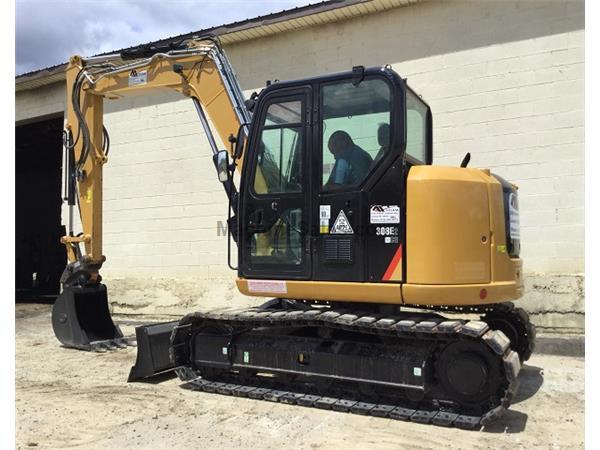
(49,32)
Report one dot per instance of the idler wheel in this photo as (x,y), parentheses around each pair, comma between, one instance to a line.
(471,374)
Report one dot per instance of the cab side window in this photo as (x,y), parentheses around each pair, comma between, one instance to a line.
(355,131)
(416,127)
(279,159)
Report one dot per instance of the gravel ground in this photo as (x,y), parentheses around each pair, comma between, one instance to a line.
(71,399)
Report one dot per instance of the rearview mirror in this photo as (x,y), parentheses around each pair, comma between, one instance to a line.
(223,165)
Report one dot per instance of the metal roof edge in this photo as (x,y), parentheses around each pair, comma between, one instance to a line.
(296,18)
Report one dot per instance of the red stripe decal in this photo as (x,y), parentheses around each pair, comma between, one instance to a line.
(393,264)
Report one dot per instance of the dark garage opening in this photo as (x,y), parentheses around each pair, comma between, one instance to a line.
(40,257)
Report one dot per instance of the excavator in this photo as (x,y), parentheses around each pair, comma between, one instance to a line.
(390,280)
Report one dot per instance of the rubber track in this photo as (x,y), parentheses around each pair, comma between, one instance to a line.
(418,325)
(520,316)
(507,309)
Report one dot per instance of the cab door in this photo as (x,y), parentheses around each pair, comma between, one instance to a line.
(274,212)
(353,154)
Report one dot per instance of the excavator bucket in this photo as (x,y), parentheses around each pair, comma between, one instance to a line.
(153,343)
(81,319)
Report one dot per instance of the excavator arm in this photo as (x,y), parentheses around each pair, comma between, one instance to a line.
(197,68)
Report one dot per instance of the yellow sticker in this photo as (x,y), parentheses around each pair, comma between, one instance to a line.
(501,248)
(88,196)
(324,221)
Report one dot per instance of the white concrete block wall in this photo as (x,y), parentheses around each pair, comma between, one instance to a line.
(162,197)
(505,81)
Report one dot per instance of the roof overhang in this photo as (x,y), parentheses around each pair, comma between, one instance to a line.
(258,27)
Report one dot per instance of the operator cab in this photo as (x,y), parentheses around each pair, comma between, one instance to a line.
(322,193)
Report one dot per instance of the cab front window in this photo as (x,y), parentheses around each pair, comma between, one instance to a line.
(355,131)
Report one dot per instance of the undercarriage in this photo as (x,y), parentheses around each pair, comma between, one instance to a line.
(417,366)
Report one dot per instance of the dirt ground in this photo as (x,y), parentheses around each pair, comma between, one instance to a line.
(71,399)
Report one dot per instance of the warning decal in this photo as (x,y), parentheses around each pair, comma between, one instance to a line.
(267,286)
(513,213)
(324,216)
(324,212)
(136,78)
(342,225)
(385,214)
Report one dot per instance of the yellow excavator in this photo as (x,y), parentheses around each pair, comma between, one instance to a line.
(389,279)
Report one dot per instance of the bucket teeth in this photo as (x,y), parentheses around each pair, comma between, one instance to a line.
(98,347)
(111,344)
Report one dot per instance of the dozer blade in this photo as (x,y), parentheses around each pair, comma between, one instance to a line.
(81,319)
(153,343)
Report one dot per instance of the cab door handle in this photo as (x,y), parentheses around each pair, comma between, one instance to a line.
(256,218)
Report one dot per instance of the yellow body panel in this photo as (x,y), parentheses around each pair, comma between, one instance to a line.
(326,290)
(391,293)
(464,294)
(456,248)
(447,226)
(456,240)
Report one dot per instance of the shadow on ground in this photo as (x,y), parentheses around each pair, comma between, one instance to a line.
(531,379)
(511,422)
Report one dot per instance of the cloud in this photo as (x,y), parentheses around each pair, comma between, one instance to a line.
(48,32)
